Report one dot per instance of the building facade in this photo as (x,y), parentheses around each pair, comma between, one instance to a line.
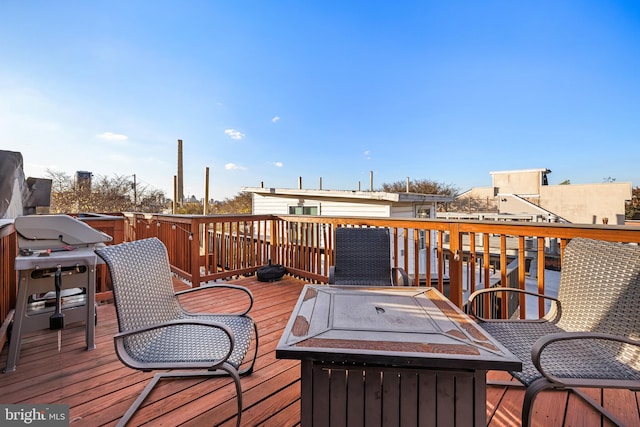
(527,193)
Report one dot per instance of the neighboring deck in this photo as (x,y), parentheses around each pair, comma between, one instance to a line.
(99,388)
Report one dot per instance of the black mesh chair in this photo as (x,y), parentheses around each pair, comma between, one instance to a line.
(156,333)
(363,257)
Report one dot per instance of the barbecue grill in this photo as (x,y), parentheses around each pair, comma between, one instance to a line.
(57,269)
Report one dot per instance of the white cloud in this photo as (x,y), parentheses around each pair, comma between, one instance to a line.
(276,119)
(367,154)
(233,166)
(234,134)
(110,136)
(278,164)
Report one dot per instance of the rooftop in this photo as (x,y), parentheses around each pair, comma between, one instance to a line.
(351,194)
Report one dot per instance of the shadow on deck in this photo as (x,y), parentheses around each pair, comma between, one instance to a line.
(99,388)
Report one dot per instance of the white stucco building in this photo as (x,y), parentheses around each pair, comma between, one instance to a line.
(527,193)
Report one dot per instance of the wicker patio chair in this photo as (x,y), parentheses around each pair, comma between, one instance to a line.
(363,257)
(156,333)
(591,336)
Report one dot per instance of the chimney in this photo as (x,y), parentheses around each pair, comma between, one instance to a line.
(371,181)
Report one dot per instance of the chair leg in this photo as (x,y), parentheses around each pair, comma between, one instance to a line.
(226,367)
(504,383)
(249,369)
(529,396)
(136,404)
(543,384)
(597,407)
(236,379)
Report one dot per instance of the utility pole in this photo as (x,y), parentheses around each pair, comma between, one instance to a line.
(135,192)
(205,205)
(175,194)
(180,183)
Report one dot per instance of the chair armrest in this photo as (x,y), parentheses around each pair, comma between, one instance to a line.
(222,286)
(543,342)
(332,274)
(503,289)
(395,271)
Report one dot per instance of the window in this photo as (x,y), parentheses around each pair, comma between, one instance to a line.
(303,210)
(422,212)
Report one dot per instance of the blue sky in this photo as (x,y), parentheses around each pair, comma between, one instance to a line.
(269,91)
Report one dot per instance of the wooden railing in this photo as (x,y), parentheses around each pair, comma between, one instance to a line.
(444,253)
(206,248)
(113,225)
(8,278)
(430,250)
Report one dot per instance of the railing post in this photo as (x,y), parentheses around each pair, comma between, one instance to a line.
(273,240)
(455,265)
(195,253)
(8,278)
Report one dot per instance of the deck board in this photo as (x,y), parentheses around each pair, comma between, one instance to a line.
(99,388)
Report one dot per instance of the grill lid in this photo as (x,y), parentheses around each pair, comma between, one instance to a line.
(38,232)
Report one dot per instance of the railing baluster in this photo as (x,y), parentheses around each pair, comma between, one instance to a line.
(472,262)
(522,267)
(541,279)
(487,273)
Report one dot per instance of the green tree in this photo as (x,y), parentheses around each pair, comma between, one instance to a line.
(238,204)
(189,208)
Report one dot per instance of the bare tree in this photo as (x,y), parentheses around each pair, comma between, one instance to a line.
(105,194)
(422,186)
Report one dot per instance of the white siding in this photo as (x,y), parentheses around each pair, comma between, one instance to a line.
(271,205)
(368,209)
(276,205)
(404,211)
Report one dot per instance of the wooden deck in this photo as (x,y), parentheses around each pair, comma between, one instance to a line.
(99,388)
